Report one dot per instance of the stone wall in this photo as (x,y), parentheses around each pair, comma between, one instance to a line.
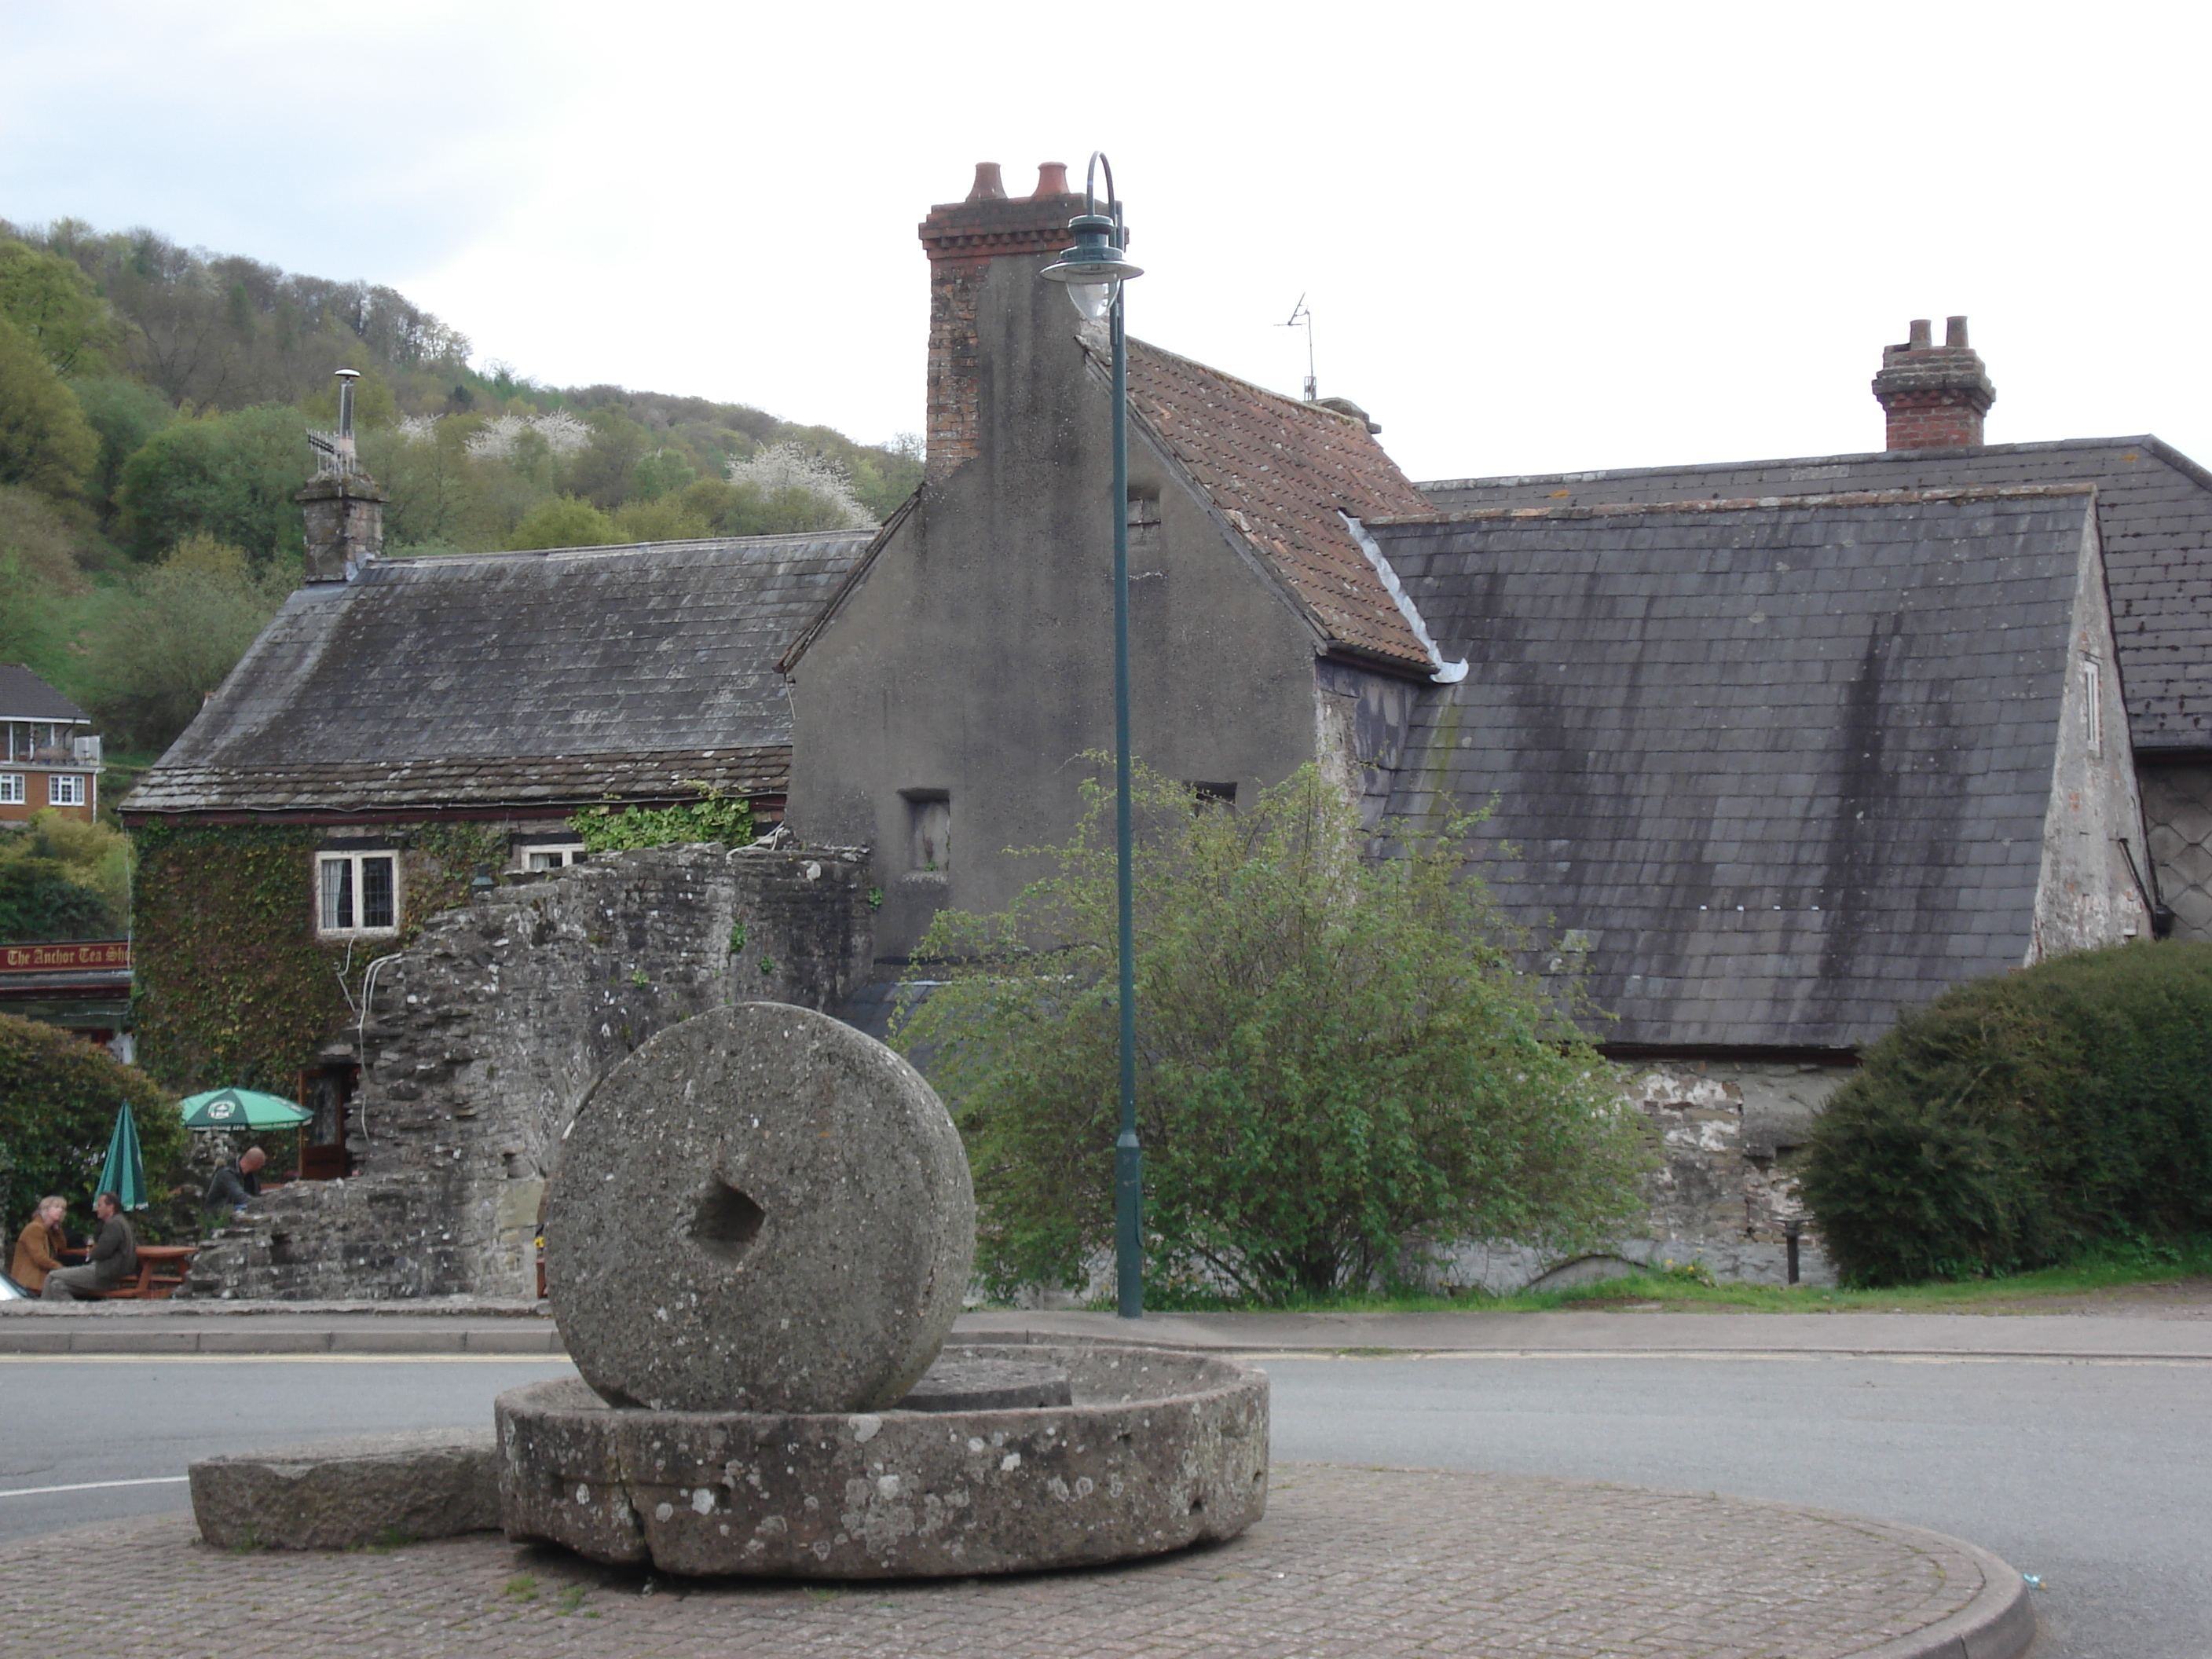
(484,1036)
(1728,1134)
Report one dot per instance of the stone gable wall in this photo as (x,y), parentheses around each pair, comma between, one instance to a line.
(484,1036)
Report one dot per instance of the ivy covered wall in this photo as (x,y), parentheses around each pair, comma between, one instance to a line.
(233,985)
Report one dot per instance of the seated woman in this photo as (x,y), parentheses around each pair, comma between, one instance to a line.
(38,1248)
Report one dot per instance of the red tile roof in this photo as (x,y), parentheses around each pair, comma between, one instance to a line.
(1281,471)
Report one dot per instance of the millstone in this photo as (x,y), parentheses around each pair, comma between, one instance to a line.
(760,1210)
(960,1383)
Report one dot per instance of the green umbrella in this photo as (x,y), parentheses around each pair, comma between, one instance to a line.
(241,1108)
(124,1173)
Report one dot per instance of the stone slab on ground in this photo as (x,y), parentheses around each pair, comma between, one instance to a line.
(350,1494)
(1347,1563)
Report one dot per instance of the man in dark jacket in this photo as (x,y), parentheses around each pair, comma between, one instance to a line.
(236,1182)
(114,1257)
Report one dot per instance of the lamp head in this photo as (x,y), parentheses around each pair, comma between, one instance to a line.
(1091,268)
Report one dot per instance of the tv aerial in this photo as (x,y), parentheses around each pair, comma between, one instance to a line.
(1302,318)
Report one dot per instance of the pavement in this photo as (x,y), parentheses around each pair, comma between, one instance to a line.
(1366,1561)
(1347,1562)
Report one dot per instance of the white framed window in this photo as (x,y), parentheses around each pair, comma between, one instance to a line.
(64,789)
(356,893)
(11,789)
(557,855)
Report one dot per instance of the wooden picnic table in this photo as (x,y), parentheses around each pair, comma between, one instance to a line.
(160,1270)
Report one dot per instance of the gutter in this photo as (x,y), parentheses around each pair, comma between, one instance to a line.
(1442,672)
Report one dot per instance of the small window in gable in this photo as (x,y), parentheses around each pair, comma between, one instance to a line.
(64,789)
(1214,797)
(929,830)
(11,789)
(356,893)
(2092,705)
(1144,522)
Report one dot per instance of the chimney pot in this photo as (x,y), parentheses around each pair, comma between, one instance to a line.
(1052,179)
(988,185)
(1934,398)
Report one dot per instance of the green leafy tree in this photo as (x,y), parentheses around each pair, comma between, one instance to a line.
(45,442)
(63,878)
(229,476)
(183,627)
(601,470)
(125,415)
(58,308)
(2022,1120)
(58,1095)
(563,521)
(1335,1056)
(665,518)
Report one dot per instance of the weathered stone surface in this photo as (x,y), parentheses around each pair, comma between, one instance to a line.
(489,1028)
(962,1383)
(760,1210)
(340,1494)
(1160,1449)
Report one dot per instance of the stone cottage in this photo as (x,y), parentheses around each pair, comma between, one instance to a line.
(1777,748)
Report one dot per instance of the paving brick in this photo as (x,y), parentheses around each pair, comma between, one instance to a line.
(1353,1562)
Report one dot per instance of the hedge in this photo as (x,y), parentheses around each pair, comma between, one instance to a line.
(57,1098)
(2021,1121)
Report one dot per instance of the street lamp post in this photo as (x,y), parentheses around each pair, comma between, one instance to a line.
(1094,270)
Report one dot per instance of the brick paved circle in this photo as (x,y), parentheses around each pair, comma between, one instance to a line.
(1348,1562)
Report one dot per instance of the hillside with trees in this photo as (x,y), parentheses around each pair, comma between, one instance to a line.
(155,406)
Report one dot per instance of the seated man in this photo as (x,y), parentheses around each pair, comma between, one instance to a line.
(114,1257)
(237,1183)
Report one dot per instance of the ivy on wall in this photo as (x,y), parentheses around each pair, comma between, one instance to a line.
(232,984)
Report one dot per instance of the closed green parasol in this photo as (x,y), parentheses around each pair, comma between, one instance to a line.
(124,1173)
(241,1108)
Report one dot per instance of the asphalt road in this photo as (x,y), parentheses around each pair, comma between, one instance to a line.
(88,1422)
(2095,1474)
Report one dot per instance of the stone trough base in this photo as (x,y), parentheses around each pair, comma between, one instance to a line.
(1159,1450)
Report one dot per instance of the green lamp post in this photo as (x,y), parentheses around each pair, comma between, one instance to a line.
(1094,270)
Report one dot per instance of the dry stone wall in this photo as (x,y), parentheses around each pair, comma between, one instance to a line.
(483,1037)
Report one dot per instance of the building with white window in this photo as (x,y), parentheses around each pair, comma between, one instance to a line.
(49,755)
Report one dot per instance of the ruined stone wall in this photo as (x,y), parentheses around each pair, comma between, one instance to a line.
(484,1036)
(1728,1134)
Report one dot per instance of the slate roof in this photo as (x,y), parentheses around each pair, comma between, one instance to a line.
(528,680)
(1282,472)
(1783,766)
(25,696)
(2154,512)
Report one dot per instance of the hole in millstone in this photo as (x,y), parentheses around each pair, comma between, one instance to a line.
(1198,1506)
(726,1222)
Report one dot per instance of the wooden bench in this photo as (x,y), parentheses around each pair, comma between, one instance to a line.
(160,1270)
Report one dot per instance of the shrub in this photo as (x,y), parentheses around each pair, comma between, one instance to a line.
(57,1098)
(2022,1120)
(1334,1055)
(713,817)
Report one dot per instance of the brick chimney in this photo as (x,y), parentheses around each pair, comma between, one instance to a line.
(964,239)
(1934,395)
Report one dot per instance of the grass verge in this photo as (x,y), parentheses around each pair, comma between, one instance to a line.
(1682,1290)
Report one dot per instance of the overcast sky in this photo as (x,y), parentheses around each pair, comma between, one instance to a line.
(1532,238)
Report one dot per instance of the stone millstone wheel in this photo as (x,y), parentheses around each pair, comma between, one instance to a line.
(760,1210)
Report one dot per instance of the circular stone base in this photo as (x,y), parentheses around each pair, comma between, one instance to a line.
(1159,1449)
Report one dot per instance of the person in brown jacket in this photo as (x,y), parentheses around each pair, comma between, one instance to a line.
(39,1248)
